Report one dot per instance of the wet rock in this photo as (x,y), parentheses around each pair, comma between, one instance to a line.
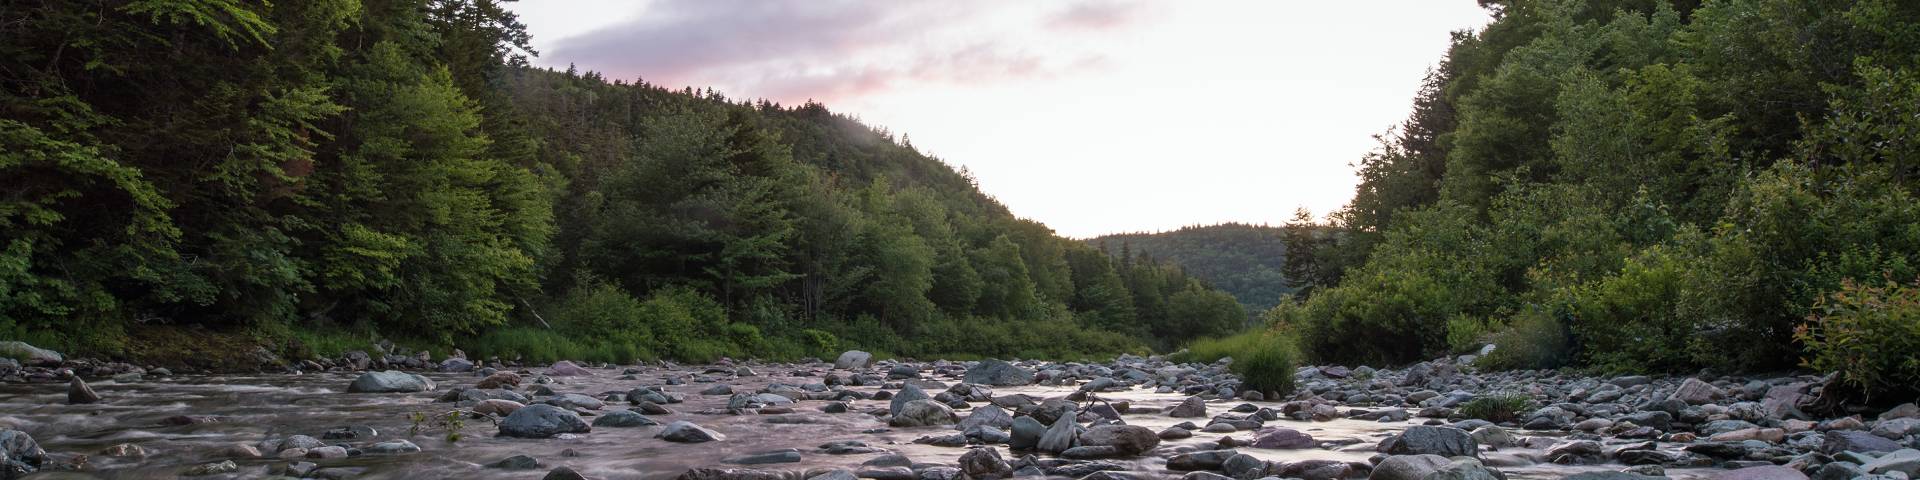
(516,462)
(496,407)
(764,458)
(542,421)
(499,380)
(686,432)
(1577,452)
(1174,433)
(1313,470)
(1244,466)
(1494,437)
(1696,392)
(215,468)
(390,381)
(1282,439)
(565,368)
(1423,439)
(900,371)
(1905,461)
(19,454)
(623,419)
(1128,440)
(998,373)
(456,365)
(985,461)
(1059,437)
(721,389)
(1201,460)
(922,413)
(392,447)
(1407,467)
(1836,441)
(1465,469)
(1769,435)
(908,393)
(1896,428)
(350,432)
(835,474)
(1026,433)
(989,416)
(1651,457)
(124,450)
(853,360)
(575,401)
(79,393)
(1192,407)
(329,451)
(886,473)
(1769,472)
(563,473)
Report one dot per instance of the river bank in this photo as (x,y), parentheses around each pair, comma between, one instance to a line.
(1131,418)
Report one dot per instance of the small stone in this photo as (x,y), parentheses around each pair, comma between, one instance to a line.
(79,393)
(686,432)
(516,462)
(563,473)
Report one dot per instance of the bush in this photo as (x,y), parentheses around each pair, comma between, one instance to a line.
(1536,340)
(1264,360)
(1867,334)
(1497,408)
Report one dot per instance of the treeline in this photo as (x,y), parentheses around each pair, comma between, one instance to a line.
(317,173)
(1248,261)
(1643,185)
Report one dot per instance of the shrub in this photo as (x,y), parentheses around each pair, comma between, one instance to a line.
(1466,333)
(1496,408)
(1264,360)
(1867,334)
(1536,340)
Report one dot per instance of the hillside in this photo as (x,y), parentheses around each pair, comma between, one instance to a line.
(1248,261)
(317,174)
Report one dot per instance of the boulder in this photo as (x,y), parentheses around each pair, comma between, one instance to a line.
(686,432)
(623,419)
(906,395)
(1906,461)
(19,454)
(565,368)
(998,373)
(980,462)
(390,381)
(1202,460)
(1836,441)
(1192,407)
(925,412)
(392,447)
(1407,467)
(1434,440)
(1768,472)
(79,393)
(1026,433)
(1465,469)
(29,354)
(1126,439)
(542,421)
(1282,439)
(1696,392)
(496,407)
(499,380)
(456,365)
(1059,437)
(853,360)
(987,416)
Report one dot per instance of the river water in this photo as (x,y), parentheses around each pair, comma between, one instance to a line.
(252,408)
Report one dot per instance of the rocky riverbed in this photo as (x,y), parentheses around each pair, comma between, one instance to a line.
(1132,418)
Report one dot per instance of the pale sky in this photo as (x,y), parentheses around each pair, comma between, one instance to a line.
(1092,116)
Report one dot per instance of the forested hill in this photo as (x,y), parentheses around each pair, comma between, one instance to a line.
(1248,261)
(315,174)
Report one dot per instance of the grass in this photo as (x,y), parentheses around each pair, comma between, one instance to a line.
(1264,360)
(1497,408)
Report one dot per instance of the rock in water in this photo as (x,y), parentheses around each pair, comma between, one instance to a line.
(499,380)
(1128,440)
(563,473)
(998,373)
(1060,436)
(686,432)
(392,447)
(542,421)
(1425,439)
(79,393)
(1192,407)
(1407,467)
(1768,472)
(1026,433)
(565,368)
(456,365)
(985,461)
(922,413)
(19,454)
(989,416)
(907,394)
(1282,439)
(390,381)
(1465,469)
(623,418)
(29,354)
(853,360)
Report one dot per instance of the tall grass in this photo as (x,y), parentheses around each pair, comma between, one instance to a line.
(1264,360)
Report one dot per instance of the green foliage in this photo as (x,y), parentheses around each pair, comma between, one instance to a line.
(1868,334)
(1247,261)
(1535,339)
(1497,408)
(1264,359)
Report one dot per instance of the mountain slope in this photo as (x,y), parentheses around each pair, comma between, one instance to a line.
(1247,261)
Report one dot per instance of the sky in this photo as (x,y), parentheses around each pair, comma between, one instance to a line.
(1092,116)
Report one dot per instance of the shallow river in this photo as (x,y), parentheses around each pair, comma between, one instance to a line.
(256,407)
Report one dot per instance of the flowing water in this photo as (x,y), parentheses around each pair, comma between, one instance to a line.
(253,408)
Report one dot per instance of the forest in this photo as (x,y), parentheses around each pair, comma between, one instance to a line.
(1248,261)
(312,176)
(1641,186)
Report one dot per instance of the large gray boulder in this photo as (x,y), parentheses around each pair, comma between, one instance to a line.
(623,418)
(390,381)
(1026,433)
(29,354)
(906,395)
(922,413)
(542,421)
(998,373)
(1192,407)
(853,360)
(1696,392)
(1856,441)
(1407,467)
(1465,469)
(1059,437)
(1432,440)
(686,432)
(988,416)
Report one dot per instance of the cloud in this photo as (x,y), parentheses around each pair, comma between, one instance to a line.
(837,49)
